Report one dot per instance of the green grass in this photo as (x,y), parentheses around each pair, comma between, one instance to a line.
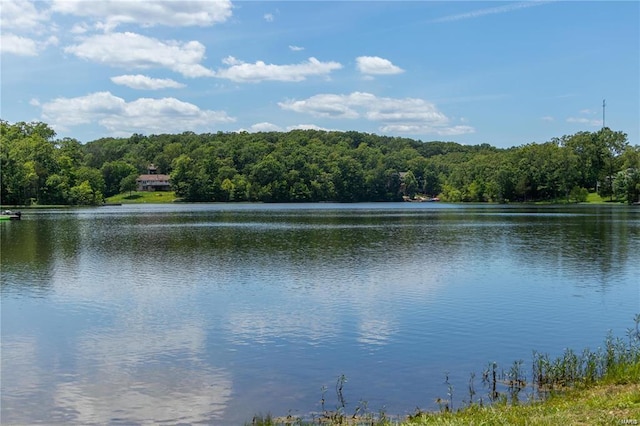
(142,197)
(594,198)
(599,387)
(596,405)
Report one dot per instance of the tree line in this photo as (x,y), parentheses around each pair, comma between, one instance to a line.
(313,166)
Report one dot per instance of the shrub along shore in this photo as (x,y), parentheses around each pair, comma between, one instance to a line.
(599,387)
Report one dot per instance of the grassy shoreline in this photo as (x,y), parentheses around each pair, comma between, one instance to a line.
(599,387)
(141,197)
(144,197)
(597,404)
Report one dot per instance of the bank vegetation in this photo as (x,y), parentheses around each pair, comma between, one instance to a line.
(312,166)
(592,387)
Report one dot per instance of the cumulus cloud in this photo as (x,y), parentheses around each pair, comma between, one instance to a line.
(295,48)
(374,65)
(142,82)
(22,46)
(268,17)
(24,28)
(243,72)
(427,129)
(408,115)
(265,127)
(166,115)
(79,28)
(51,41)
(307,127)
(112,13)
(327,105)
(21,15)
(270,127)
(134,51)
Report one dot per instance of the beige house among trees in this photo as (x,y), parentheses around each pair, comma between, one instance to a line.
(153,181)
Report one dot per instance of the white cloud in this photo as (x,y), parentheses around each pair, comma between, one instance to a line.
(79,28)
(326,105)
(588,117)
(547,118)
(230,60)
(268,17)
(265,127)
(408,115)
(134,51)
(74,111)
(22,46)
(21,15)
(244,72)
(142,82)
(112,13)
(584,120)
(307,127)
(24,28)
(146,115)
(51,41)
(270,127)
(295,48)
(376,65)
(426,129)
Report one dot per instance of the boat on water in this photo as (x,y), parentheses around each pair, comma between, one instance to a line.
(10,215)
(420,199)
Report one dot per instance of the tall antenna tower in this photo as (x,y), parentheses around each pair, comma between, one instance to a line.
(604,104)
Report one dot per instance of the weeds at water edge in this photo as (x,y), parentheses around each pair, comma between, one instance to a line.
(616,362)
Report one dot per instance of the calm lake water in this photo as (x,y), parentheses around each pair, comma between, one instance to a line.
(213,313)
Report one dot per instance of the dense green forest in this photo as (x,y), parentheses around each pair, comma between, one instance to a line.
(312,165)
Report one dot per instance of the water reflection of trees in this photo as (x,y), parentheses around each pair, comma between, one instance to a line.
(594,246)
(594,242)
(29,250)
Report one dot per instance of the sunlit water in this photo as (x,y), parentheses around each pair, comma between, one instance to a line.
(213,313)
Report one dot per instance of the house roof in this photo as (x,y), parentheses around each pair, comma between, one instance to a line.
(154,177)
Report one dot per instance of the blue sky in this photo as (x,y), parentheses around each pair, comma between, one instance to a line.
(503,73)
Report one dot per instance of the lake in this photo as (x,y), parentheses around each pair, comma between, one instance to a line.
(211,313)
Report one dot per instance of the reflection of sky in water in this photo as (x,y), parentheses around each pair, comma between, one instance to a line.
(166,394)
(22,379)
(132,370)
(139,318)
